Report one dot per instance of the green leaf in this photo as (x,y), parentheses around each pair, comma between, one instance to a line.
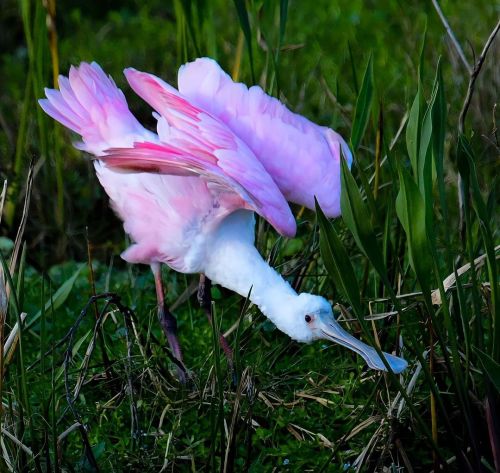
(353,68)
(190,22)
(8,280)
(464,321)
(438,136)
(241,9)
(357,219)
(410,209)
(74,351)
(413,127)
(491,367)
(363,106)
(421,63)
(487,236)
(413,130)
(283,18)
(337,261)
(59,297)
(424,166)
(425,148)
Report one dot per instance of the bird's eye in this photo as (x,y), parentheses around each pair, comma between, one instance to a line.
(308,318)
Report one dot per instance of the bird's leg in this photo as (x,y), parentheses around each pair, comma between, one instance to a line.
(168,323)
(205,301)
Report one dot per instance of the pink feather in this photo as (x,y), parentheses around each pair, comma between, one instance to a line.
(158,212)
(303,158)
(201,144)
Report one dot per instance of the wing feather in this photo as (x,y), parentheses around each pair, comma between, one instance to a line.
(202,145)
(302,157)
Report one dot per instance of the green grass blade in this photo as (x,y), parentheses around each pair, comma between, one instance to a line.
(283,18)
(413,130)
(13,301)
(219,398)
(421,64)
(413,127)
(424,166)
(59,297)
(241,9)
(237,338)
(357,219)
(482,214)
(363,106)
(439,112)
(337,261)
(189,16)
(181,36)
(424,161)
(490,366)
(210,31)
(23,124)
(410,209)
(464,323)
(353,69)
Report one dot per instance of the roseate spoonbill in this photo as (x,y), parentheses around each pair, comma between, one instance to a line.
(187,195)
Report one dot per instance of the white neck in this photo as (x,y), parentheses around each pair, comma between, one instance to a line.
(233,262)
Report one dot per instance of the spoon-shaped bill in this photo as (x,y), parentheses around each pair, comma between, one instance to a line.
(334,332)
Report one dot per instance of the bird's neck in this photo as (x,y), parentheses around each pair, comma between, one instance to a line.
(234,262)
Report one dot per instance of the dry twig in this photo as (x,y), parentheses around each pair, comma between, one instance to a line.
(473,76)
(453,39)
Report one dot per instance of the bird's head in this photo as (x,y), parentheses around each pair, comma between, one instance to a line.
(313,319)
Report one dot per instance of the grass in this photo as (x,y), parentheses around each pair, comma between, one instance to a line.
(88,383)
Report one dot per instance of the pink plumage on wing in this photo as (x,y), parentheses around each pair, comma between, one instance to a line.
(160,213)
(302,157)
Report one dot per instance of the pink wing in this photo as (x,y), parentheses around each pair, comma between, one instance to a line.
(303,158)
(90,104)
(195,143)
(164,215)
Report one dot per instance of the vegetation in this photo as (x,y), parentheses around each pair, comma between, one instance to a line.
(87,383)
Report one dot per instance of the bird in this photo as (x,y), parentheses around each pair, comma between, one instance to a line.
(188,194)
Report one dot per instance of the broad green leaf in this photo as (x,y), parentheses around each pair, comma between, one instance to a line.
(337,261)
(425,148)
(413,130)
(410,209)
(491,367)
(59,297)
(357,219)
(425,166)
(363,106)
